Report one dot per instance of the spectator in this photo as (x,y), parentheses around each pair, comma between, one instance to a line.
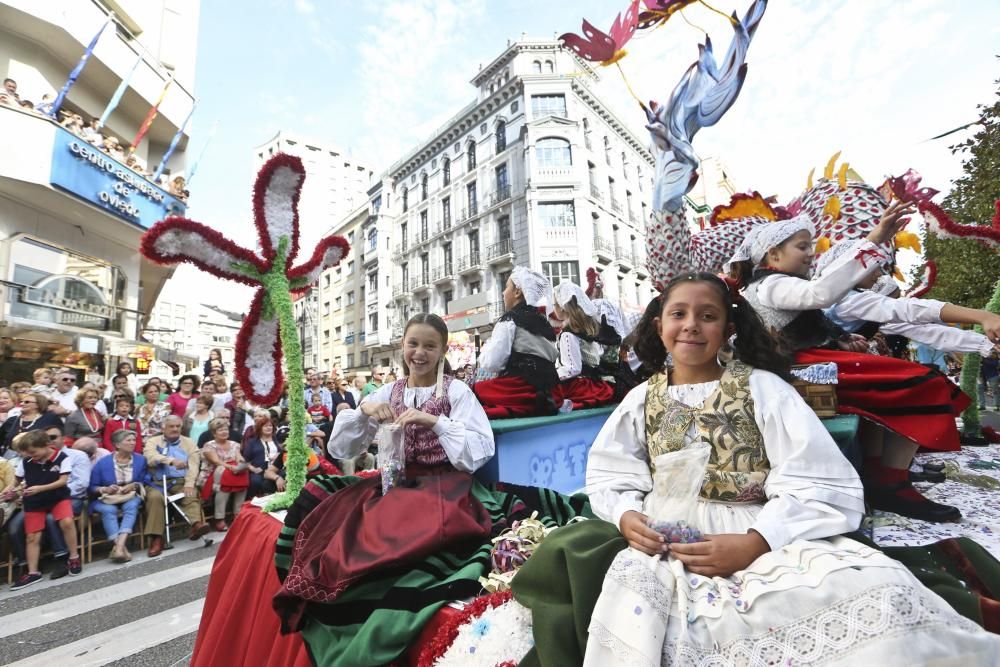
(80,466)
(374,383)
(125,368)
(178,189)
(74,123)
(10,88)
(112,147)
(118,383)
(34,416)
(240,411)
(470,374)
(45,106)
(161,394)
(226,473)
(260,452)
(8,405)
(460,374)
(222,393)
(318,414)
(43,382)
(92,448)
(357,387)
(117,483)
(100,406)
(122,419)
(214,362)
(989,380)
(207,389)
(205,437)
(64,397)
(390,377)
(27,105)
(6,100)
(8,492)
(153,411)
(45,472)
(85,421)
(185,392)
(316,387)
(197,422)
(173,458)
(342,394)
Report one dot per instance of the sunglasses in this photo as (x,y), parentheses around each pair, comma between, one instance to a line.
(67,379)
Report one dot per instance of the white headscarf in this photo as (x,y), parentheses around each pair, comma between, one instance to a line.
(836,252)
(566,290)
(536,288)
(766,236)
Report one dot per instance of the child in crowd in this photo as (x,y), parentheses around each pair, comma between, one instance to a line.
(904,405)
(522,351)
(44,472)
(318,412)
(123,419)
(776,495)
(43,382)
(579,366)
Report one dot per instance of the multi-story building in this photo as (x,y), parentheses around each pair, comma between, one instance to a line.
(73,288)
(306,308)
(192,330)
(537,171)
(335,182)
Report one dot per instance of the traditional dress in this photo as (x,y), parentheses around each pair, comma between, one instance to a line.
(522,351)
(813,599)
(581,379)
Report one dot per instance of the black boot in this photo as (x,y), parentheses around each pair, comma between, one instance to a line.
(902,499)
(927,475)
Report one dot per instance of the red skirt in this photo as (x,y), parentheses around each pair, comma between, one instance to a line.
(510,396)
(585,392)
(917,402)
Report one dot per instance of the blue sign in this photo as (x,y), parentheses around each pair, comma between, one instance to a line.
(94,176)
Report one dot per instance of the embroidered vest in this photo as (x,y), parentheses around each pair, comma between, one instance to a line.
(422,446)
(738,463)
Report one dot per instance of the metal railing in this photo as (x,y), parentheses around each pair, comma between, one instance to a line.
(595,192)
(616,206)
(602,244)
(470,261)
(500,248)
(623,255)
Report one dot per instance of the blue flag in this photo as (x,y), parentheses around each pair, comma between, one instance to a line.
(117,97)
(173,144)
(76,70)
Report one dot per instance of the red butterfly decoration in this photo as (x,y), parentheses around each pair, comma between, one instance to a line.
(601,47)
(658,11)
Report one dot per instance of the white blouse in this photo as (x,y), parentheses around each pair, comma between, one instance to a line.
(874,307)
(813,491)
(941,337)
(465,435)
(496,351)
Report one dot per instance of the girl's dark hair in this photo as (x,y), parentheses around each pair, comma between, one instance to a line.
(753,344)
(434,321)
(742,272)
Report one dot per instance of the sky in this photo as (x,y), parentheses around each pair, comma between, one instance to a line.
(871,78)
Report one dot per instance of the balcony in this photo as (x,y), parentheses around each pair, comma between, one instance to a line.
(421,237)
(500,252)
(595,193)
(370,254)
(420,282)
(399,289)
(469,263)
(555,174)
(603,249)
(443,273)
(616,206)
(624,256)
(349,339)
(445,224)
(500,195)
(398,250)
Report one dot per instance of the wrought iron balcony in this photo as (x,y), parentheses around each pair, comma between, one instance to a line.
(595,192)
(500,250)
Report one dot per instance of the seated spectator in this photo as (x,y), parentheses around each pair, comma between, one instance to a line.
(43,382)
(341,393)
(118,483)
(174,462)
(153,410)
(196,423)
(207,389)
(9,498)
(86,421)
(45,473)
(92,448)
(122,419)
(100,406)
(62,401)
(318,413)
(260,451)
(226,473)
(34,416)
(234,435)
(185,392)
(118,383)
(8,404)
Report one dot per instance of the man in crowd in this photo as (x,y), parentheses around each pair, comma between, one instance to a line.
(64,396)
(315,381)
(10,88)
(357,388)
(375,382)
(175,457)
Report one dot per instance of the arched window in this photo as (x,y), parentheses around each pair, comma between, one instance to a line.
(446,171)
(423,188)
(549,67)
(471,155)
(536,67)
(501,135)
(406,200)
(553,152)
(586,132)
(607,150)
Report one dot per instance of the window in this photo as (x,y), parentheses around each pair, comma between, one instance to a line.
(336,333)
(638,176)
(364,358)
(483,128)
(405,240)
(446,171)
(372,283)
(549,67)
(449,296)
(503,185)
(501,136)
(350,268)
(470,191)
(474,242)
(326,334)
(471,155)
(474,287)
(350,237)
(536,67)
(514,106)
(557,272)
(425,305)
(326,308)
(553,152)
(548,105)
(350,360)
(446,212)
(447,259)
(557,214)
(350,298)
(405,269)
(425,270)
(373,322)
(326,280)
(503,228)
(423,188)
(337,306)
(423,225)
(607,150)
(406,200)
(373,239)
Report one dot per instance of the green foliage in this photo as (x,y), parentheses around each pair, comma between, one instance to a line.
(970,373)
(967,270)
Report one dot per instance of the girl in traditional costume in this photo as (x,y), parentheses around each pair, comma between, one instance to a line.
(770,583)
(581,379)
(904,405)
(522,351)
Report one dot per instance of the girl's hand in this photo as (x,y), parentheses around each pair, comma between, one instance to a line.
(30,490)
(279,484)
(640,536)
(893,221)
(721,555)
(414,416)
(380,411)
(991,327)
(853,343)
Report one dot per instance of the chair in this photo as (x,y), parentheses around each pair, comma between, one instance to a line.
(89,537)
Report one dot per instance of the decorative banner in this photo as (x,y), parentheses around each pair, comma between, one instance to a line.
(61,97)
(150,116)
(117,97)
(173,143)
(194,166)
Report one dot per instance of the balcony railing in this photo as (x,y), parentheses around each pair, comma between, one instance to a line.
(471,212)
(623,255)
(445,224)
(442,272)
(554,173)
(398,289)
(470,262)
(595,192)
(616,206)
(421,237)
(349,339)
(500,249)
(501,194)
(603,248)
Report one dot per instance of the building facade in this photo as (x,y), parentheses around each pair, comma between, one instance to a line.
(192,330)
(73,288)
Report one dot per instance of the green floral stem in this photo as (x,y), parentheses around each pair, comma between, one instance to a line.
(279,296)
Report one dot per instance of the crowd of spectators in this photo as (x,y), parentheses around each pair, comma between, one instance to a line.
(90,130)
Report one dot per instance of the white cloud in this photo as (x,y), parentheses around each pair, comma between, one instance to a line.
(304,6)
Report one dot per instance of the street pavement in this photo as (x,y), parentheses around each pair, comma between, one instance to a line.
(142,613)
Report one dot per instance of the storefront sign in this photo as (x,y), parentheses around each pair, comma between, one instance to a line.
(92,175)
(40,296)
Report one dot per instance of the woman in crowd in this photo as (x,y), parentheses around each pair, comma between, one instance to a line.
(8,404)
(904,405)
(241,411)
(522,351)
(125,368)
(122,420)
(260,452)
(197,421)
(214,363)
(579,367)
(117,483)
(769,569)
(153,411)
(341,393)
(185,393)
(34,416)
(85,421)
(225,472)
(100,405)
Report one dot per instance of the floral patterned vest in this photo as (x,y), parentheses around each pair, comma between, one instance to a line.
(422,446)
(738,464)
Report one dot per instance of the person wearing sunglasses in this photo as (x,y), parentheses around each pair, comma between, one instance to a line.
(64,397)
(34,416)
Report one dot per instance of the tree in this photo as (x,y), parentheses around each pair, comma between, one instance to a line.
(968,270)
